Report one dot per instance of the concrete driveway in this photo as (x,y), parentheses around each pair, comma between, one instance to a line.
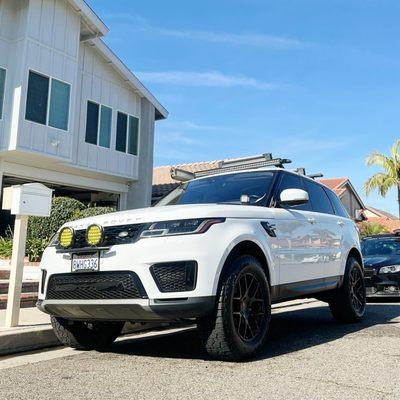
(308,356)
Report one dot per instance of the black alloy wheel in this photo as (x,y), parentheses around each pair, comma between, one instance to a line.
(248,308)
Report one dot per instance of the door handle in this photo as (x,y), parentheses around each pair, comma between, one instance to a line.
(340,223)
(312,220)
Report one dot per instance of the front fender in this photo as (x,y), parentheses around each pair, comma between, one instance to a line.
(257,235)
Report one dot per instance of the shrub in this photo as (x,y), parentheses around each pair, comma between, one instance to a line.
(42,229)
(63,210)
(371,228)
(93,211)
(5,247)
(35,248)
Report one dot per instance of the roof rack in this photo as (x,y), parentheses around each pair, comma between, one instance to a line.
(240,164)
(302,171)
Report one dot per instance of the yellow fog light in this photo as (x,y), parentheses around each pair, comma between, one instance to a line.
(94,235)
(66,237)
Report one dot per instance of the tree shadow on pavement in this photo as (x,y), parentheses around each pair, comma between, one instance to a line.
(290,331)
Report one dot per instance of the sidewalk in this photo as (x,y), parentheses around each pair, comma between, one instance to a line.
(34,332)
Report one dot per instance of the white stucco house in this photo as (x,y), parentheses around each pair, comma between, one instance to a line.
(72,115)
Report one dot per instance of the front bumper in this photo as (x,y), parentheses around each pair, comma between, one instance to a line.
(382,285)
(137,310)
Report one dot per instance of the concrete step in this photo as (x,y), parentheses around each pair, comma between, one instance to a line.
(27,286)
(31,272)
(27,300)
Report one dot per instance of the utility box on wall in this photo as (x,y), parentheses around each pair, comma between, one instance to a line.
(33,199)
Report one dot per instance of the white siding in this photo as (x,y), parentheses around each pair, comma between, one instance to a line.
(101,84)
(12,32)
(44,36)
(52,46)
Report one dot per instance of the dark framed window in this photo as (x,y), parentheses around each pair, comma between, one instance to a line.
(133,136)
(92,122)
(59,104)
(2,89)
(105,126)
(127,140)
(47,101)
(122,126)
(318,198)
(98,124)
(37,98)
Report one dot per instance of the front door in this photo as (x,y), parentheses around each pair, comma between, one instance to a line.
(297,246)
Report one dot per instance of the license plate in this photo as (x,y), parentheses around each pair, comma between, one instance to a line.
(85,262)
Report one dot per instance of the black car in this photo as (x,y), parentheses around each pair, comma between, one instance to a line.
(381,255)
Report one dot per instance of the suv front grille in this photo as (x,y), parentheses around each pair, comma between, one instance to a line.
(95,286)
(175,276)
(113,235)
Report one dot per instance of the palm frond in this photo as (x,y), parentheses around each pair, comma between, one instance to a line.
(395,150)
(374,182)
(387,163)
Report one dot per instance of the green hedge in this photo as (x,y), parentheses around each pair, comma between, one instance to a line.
(371,228)
(63,210)
(42,229)
(94,211)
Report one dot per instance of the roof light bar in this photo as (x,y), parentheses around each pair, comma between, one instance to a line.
(240,164)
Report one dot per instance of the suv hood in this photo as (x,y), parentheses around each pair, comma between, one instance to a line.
(381,261)
(170,213)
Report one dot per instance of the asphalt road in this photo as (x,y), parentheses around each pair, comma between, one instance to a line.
(308,356)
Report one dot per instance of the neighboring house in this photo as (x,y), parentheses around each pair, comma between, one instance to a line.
(163,183)
(347,194)
(389,221)
(72,115)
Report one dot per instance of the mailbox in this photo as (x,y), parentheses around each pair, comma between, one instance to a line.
(29,199)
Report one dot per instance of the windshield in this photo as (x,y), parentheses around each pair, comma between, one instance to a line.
(381,247)
(222,189)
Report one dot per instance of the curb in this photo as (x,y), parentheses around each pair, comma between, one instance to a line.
(28,339)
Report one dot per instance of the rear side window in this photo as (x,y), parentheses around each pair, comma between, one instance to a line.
(337,204)
(318,198)
(291,181)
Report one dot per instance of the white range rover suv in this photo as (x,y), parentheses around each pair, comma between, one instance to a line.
(219,250)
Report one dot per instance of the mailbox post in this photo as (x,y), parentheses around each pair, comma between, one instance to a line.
(31,199)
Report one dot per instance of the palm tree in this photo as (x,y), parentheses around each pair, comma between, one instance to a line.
(390,177)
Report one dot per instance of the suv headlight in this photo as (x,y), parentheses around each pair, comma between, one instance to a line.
(390,269)
(179,227)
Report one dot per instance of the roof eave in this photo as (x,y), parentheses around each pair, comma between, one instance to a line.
(92,19)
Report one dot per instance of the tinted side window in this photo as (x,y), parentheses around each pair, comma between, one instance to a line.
(318,198)
(337,204)
(291,181)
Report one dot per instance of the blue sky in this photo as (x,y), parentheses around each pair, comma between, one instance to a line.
(315,81)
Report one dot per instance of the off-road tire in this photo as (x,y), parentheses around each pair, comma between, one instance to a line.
(86,335)
(217,331)
(343,306)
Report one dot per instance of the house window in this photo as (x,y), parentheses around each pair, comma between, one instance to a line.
(98,124)
(39,109)
(105,126)
(133,136)
(59,105)
(2,89)
(127,134)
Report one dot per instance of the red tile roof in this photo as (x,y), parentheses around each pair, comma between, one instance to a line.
(162,175)
(390,224)
(333,183)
